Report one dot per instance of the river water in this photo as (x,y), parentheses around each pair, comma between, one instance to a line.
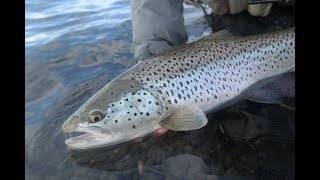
(73,48)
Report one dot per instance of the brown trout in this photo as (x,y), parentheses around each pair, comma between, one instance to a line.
(176,88)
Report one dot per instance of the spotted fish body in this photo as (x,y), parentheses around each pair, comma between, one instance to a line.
(174,89)
(211,73)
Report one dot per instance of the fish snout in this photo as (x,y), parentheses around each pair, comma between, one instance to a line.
(71,124)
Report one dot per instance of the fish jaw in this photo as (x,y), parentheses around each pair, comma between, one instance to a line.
(93,137)
(88,141)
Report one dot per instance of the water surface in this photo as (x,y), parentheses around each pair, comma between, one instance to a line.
(73,48)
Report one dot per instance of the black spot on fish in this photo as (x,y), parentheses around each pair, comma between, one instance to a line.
(116,121)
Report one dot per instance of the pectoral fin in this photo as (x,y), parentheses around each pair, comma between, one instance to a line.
(185,118)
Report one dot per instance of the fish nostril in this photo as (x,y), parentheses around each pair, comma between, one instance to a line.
(69,124)
(65,127)
(68,127)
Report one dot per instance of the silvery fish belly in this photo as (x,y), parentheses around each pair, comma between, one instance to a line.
(176,88)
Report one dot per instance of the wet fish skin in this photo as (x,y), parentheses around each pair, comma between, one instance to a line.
(174,89)
(210,73)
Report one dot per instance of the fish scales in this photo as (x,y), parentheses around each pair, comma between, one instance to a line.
(210,73)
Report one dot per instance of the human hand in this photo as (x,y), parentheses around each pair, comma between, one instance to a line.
(219,7)
(156,133)
(222,7)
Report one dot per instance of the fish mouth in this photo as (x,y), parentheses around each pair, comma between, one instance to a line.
(95,137)
(86,138)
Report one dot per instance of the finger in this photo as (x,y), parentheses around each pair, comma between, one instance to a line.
(138,139)
(160,132)
(156,133)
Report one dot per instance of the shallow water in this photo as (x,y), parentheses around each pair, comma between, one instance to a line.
(73,48)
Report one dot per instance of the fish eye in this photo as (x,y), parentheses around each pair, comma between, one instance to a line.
(95,116)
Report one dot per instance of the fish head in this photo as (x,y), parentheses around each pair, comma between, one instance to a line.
(121,111)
